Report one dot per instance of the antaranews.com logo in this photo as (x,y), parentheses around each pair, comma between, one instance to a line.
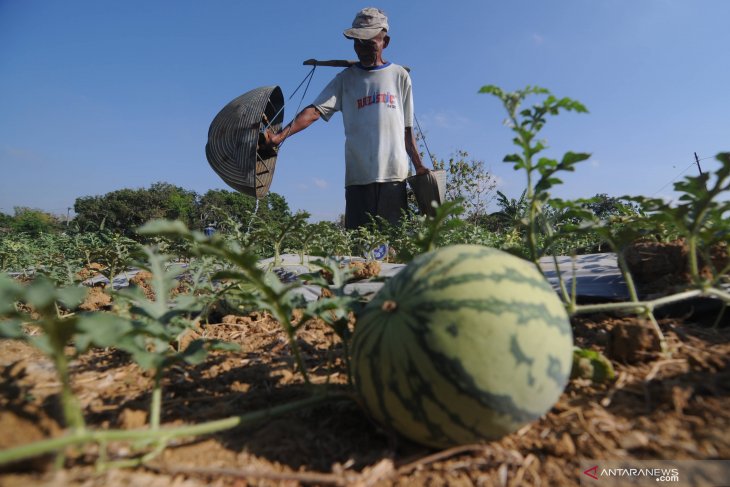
(678,473)
(658,474)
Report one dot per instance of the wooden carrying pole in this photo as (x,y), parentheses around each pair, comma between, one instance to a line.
(336,63)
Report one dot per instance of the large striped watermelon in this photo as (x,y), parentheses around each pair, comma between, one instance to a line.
(467,343)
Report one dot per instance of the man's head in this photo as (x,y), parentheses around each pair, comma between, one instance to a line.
(370,34)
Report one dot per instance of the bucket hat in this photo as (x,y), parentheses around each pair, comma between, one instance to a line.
(367,24)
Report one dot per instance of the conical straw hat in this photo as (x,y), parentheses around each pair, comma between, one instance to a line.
(232,148)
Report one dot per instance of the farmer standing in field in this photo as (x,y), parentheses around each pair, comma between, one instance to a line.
(375,99)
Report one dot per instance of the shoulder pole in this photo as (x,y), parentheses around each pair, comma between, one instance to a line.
(336,63)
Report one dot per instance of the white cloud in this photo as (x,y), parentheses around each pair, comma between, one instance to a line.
(452,120)
(595,163)
(499,181)
(312,183)
(26,155)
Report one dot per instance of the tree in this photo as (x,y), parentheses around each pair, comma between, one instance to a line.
(126,209)
(33,221)
(219,205)
(511,212)
(174,202)
(6,221)
(468,179)
(122,211)
(604,206)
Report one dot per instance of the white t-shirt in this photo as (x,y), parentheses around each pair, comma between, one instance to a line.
(376,105)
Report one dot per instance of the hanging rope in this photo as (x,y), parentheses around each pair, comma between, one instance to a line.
(308,79)
(423,138)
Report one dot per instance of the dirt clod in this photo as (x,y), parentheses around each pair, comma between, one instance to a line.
(632,342)
(132,418)
(662,267)
(96,299)
(365,270)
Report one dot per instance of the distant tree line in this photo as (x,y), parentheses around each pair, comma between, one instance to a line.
(29,220)
(124,210)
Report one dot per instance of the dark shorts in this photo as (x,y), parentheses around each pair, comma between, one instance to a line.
(386,200)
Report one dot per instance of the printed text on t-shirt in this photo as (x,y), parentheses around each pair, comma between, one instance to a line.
(386,98)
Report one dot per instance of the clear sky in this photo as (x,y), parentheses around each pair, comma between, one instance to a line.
(97,96)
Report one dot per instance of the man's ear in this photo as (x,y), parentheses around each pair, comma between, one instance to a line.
(386,41)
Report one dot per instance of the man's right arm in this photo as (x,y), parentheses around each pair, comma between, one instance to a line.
(304,119)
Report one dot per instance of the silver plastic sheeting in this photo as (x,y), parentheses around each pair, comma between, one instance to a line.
(597,276)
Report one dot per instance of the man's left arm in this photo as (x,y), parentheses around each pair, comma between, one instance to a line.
(412,150)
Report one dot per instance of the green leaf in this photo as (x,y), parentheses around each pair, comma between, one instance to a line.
(148,360)
(152,329)
(195,352)
(536,90)
(571,158)
(545,164)
(147,309)
(41,294)
(72,297)
(492,90)
(149,353)
(172,314)
(7,304)
(188,303)
(589,364)
(546,183)
(513,158)
(223,346)
(100,330)
(12,329)
(572,105)
(10,292)
(168,228)
(42,343)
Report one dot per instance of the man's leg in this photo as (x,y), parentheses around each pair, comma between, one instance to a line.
(392,201)
(386,200)
(360,202)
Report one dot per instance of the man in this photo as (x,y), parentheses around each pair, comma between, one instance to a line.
(375,99)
